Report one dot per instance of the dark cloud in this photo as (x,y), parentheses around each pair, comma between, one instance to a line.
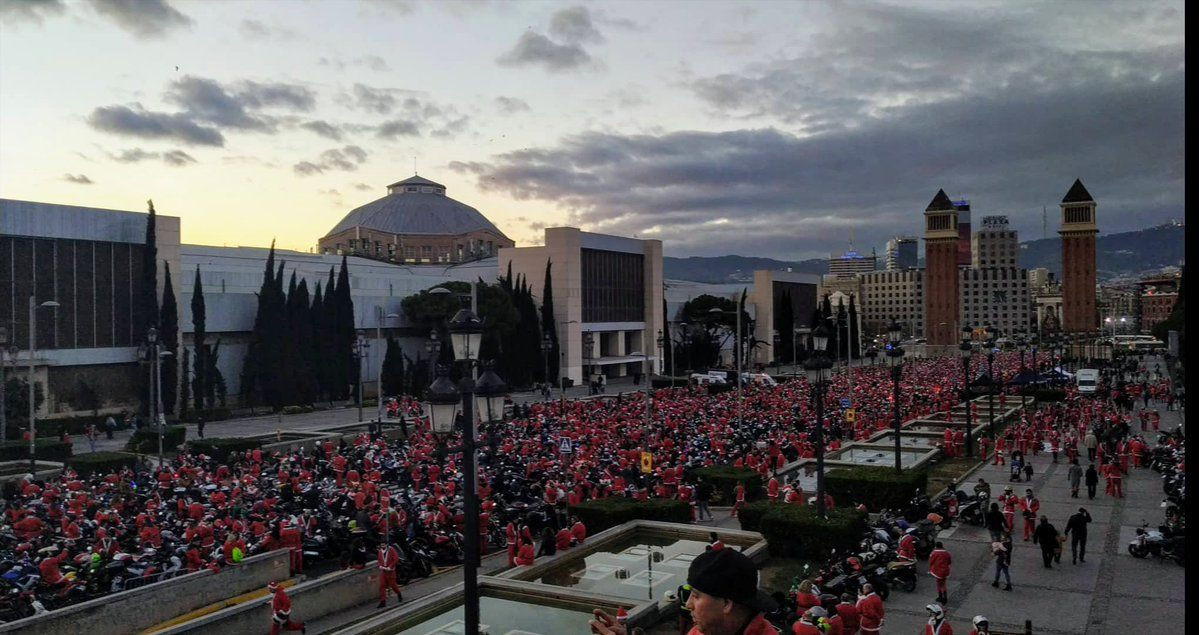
(274,94)
(775,193)
(573,25)
(143,18)
(377,100)
(397,128)
(136,155)
(138,122)
(14,11)
(323,128)
(511,105)
(236,105)
(80,179)
(371,62)
(346,159)
(362,187)
(536,49)
(257,29)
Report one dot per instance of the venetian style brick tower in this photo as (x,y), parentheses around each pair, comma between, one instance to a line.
(941,271)
(1078,260)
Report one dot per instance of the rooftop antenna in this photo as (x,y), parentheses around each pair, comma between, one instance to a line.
(414,172)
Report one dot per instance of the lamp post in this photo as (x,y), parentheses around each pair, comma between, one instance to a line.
(966,349)
(432,348)
(990,342)
(816,366)
(588,341)
(661,341)
(547,344)
(737,354)
(1022,343)
(895,360)
(361,350)
(3,394)
(777,341)
(33,306)
(466,332)
(379,379)
(795,331)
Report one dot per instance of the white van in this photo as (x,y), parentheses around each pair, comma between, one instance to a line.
(710,377)
(1088,380)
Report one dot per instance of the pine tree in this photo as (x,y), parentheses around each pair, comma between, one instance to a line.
(392,379)
(252,384)
(170,342)
(852,330)
(216,381)
(306,387)
(199,321)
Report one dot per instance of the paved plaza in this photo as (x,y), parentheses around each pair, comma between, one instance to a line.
(1111,592)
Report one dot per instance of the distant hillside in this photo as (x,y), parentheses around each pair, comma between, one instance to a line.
(1120,255)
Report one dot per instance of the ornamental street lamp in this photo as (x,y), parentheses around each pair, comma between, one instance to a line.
(966,348)
(547,345)
(816,367)
(361,349)
(737,352)
(3,396)
(33,305)
(379,338)
(466,334)
(992,333)
(777,341)
(895,360)
(432,348)
(661,342)
(1022,343)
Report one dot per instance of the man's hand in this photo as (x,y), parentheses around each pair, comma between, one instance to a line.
(605,624)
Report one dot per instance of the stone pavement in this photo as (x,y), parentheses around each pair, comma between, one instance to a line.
(1111,592)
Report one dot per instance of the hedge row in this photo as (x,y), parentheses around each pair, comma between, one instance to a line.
(796,531)
(725,479)
(751,514)
(220,448)
(875,487)
(145,441)
(602,513)
(46,448)
(210,414)
(101,462)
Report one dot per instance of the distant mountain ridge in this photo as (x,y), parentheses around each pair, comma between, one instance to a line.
(1122,255)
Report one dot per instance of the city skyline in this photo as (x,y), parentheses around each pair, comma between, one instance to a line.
(764,129)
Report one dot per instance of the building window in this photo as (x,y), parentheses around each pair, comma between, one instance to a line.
(410,189)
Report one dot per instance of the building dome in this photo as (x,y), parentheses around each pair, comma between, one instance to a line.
(417,206)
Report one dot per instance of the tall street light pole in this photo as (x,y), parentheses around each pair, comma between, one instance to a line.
(895,359)
(466,333)
(3,394)
(816,366)
(737,354)
(991,383)
(380,316)
(966,348)
(33,306)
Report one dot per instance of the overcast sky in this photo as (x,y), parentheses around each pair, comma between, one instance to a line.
(776,129)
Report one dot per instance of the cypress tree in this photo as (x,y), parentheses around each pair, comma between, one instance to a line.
(185,385)
(145,310)
(392,380)
(345,333)
(306,387)
(852,330)
(316,314)
(199,320)
(170,342)
(548,325)
(252,384)
(216,381)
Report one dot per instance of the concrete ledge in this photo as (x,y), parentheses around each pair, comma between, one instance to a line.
(313,599)
(144,607)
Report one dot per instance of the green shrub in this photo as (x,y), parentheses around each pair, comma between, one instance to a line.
(795,531)
(751,514)
(725,479)
(602,513)
(220,448)
(209,414)
(45,448)
(876,487)
(73,425)
(145,441)
(292,410)
(101,462)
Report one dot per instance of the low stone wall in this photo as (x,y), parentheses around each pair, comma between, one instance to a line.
(144,607)
(310,600)
(45,470)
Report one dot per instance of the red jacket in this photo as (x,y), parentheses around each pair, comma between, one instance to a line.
(849,617)
(802,628)
(579,532)
(944,629)
(938,563)
(388,557)
(907,547)
(871,612)
(281,602)
(525,556)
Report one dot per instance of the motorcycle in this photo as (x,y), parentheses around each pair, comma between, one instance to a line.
(973,511)
(1153,542)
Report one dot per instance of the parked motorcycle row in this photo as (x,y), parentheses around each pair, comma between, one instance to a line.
(1168,541)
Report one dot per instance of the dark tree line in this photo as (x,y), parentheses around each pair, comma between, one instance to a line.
(301,348)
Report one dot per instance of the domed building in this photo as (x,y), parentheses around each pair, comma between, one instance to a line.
(415,223)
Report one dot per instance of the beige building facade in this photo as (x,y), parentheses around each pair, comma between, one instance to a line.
(607,299)
(892,295)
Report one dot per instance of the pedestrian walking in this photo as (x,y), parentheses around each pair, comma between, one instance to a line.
(1075,477)
(1092,480)
(1028,472)
(1090,442)
(1046,537)
(1029,506)
(1076,528)
(939,562)
(994,522)
(110,426)
(200,426)
(937,624)
(281,611)
(703,495)
(1002,550)
(389,557)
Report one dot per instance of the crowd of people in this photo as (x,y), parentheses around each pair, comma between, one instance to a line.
(346,500)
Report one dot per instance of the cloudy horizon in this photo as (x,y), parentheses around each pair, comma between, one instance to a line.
(774,129)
